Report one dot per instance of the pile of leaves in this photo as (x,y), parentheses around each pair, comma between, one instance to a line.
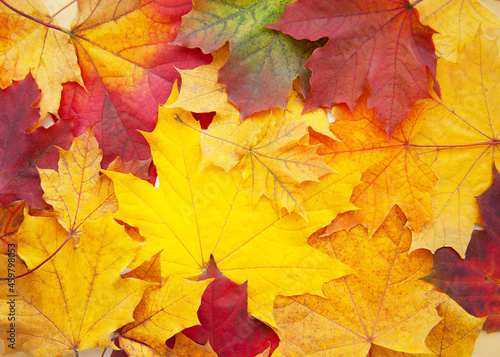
(325,178)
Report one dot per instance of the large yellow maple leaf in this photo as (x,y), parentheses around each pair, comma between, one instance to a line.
(51,58)
(390,170)
(266,148)
(384,304)
(459,140)
(456,23)
(195,213)
(77,299)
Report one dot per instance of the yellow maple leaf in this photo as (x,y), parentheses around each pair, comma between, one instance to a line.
(456,23)
(194,214)
(76,299)
(76,191)
(266,148)
(459,140)
(390,169)
(385,304)
(164,310)
(455,335)
(51,58)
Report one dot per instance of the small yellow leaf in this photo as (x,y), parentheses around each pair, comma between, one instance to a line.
(165,311)
(76,191)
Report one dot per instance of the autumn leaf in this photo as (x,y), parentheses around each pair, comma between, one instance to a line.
(51,57)
(165,311)
(76,191)
(21,153)
(77,299)
(266,148)
(195,214)
(128,70)
(384,304)
(455,335)
(11,217)
(391,171)
(382,41)
(456,24)
(132,348)
(224,320)
(263,63)
(185,347)
(473,282)
(463,146)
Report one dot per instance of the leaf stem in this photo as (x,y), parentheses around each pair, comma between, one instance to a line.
(42,263)
(63,8)
(413,4)
(103,352)
(55,27)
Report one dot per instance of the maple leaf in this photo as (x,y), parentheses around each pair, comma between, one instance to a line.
(473,282)
(195,214)
(463,147)
(224,320)
(163,311)
(266,148)
(455,335)
(391,171)
(382,41)
(77,299)
(127,67)
(385,304)
(11,217)
(20,152)
(263,63)
(76,191)
(51,58)
(456,23)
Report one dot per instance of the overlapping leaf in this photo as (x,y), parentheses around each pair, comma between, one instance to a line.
(455,335)
(165,311)
(473,281)
(54,314)
(390,169)
(384,304)
(382,41)
(128,69)
(263,63)
(27,46)
(195,214)
(266,148)
(456,23)
(225,322)
(11,217)
(459,140)
(76,191)
(21,153)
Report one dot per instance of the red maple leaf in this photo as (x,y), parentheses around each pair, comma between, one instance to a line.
(225,321)
(473,282)
(379,40)
(22,153)
(126,73)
